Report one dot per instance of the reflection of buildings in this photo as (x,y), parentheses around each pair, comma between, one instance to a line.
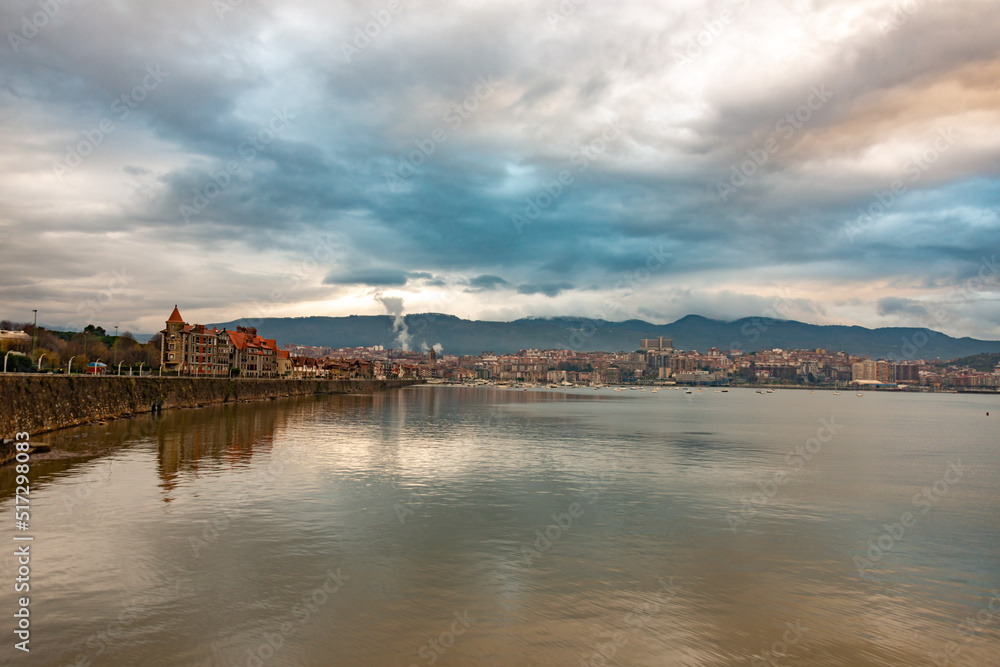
(215,436)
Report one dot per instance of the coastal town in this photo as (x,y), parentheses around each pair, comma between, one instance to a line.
(195,350)
(666,366)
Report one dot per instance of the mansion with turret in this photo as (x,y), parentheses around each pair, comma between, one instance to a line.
(194,349)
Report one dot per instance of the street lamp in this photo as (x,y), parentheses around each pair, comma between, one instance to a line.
(116,350)
(140,368)
(33,327)
(120,366)
(69,367)
(41,358)
(5,361)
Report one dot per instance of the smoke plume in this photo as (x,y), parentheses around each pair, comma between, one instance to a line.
(394,306)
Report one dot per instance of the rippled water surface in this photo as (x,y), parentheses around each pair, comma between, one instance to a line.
(458,526)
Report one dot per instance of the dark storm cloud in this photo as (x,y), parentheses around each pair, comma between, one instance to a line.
(548,289)
(371,277)
(486,283)
(262,136)
(895,306)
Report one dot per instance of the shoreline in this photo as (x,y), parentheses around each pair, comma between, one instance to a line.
(44,403)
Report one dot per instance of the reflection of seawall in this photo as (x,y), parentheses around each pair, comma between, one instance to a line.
(46,402)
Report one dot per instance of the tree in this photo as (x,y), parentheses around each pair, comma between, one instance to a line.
(51,359)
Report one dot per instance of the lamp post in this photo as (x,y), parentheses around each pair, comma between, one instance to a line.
(33,327)
(116,350)
(97,368)
(69,367)
(120,366)
(40,359)
(5,361)
(140,368)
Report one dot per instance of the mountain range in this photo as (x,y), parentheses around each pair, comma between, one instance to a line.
(693,332)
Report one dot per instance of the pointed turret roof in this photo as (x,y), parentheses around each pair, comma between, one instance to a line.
(175,317)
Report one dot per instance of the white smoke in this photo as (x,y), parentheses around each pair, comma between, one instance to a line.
(438,347)
(394,306)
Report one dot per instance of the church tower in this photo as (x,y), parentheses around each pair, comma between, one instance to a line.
(172,343)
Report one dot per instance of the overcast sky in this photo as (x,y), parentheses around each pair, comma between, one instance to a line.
(495,160)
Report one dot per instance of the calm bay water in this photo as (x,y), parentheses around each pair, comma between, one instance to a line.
(458,526)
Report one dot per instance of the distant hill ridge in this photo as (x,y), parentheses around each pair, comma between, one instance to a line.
(693,332)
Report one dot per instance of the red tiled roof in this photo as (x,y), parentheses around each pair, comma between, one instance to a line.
(175,317)
(243,341)
(239,339)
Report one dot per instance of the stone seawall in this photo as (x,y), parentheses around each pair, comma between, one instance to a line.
(39,403)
